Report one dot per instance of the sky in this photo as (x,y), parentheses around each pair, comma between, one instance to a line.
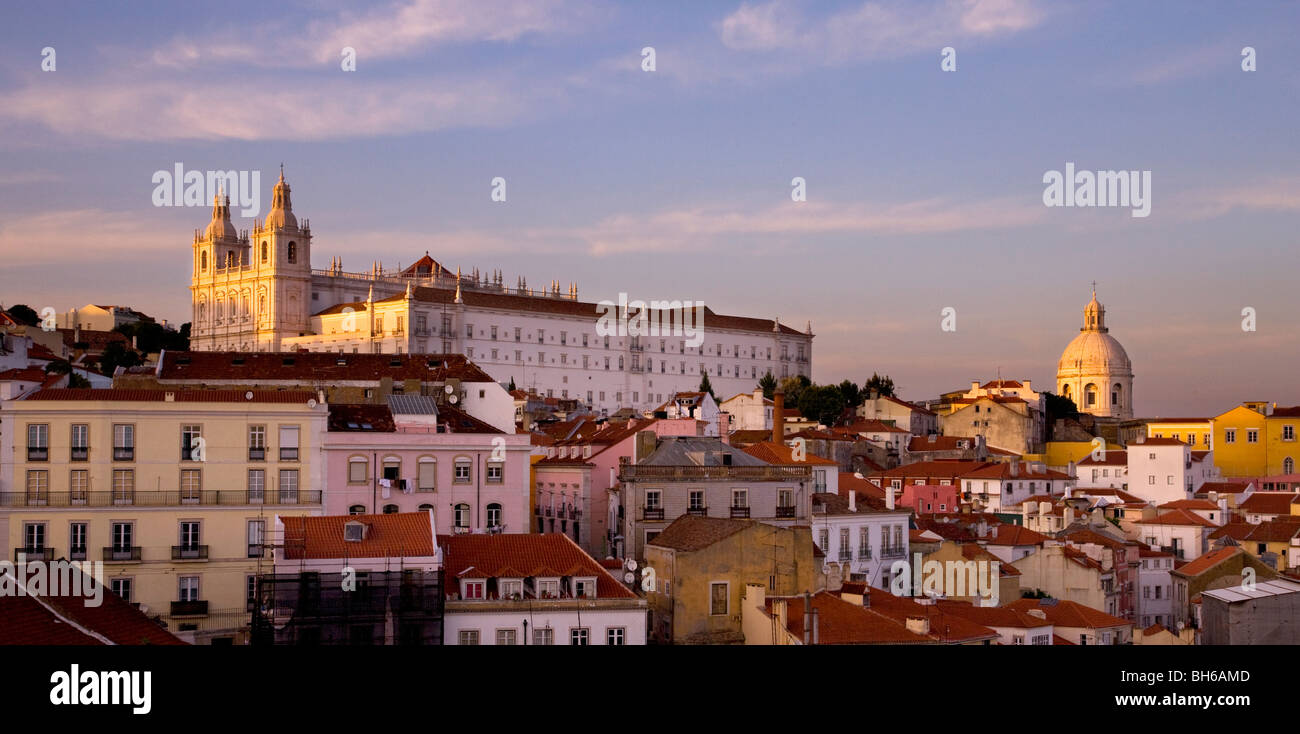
(924,187)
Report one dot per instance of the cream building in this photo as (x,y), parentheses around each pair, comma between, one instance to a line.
(257,292)
(1094,370)
(172,490)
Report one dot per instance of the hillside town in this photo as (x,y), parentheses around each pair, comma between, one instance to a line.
(424,455)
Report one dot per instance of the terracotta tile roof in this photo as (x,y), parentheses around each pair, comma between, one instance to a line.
(397,535)
(1086,535)
(747,437)
(346,417)
(180,396)
(1118,494)
(1290,412)
(1279,530)
(842,622)
(865,425)
(457,420)
(939,443)
(943,627)
(973,552)
(826,503)
(25,374)
(1058,640)
(1178,517)
(1008,534)
(1112,457)
(992,616)
(775,453)
(1003,471)
(1155,629)
(955,531)
(53,620)
(1193,504)
(1234,530)
(937,468)
(42,352)
(1268,503)
(1204,563)
(694,532)
(1080,558)
(1065,613)
(1001,383)
(514,555)
(316,367)
(905,404)
(1153,441)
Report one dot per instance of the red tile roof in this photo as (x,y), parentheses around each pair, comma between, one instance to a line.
(943,627)
(775,453)
(1193,504)
(1007,534)
(841,622)
(1178,517)
(511,555)
(992,616)
(1268,503)
(179,396)
(1003,471)
(932,442)
(694,532)
(1204,563)
(68,620)
(315,367)
(1065,613)
(1111,457)
(1153,441)
(397,535)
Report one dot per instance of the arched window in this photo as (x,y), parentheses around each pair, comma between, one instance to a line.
(1090,395)
(1288,466)
(293,252)
(462,515)
(203,313)
(1115,393)
(230,259)
(390,509)
(1065,390)
(424,508)
(263,251)
(494,515)
(357,510)
(203,261)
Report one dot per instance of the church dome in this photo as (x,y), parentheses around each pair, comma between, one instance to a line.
(1095,371)
(281,214)
(1093,352)
(220,228)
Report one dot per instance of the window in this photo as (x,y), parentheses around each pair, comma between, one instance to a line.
(256,485)
(123,442)
(718,598)
(123,486)
(189,536)
(1252,435)
(506,637)
(80,442)
(462,515)
(38,442)
(1229,435)
(462,475)
(740,498)
(548,588)
(495,471)
(38,487)
(121,587)
(191,485)
(615,636)
(579,636)
(824,540)
(474,589)
(77,541)
(510,589)
(34,537)
(584,588)
(288,443)
(293,252)
(494,515)
(358,470)
(467,637)
(696,499)
(257,443)
(543,636)
(1288,433)
(254,533)
(188,588)
(191,440)
(289,486)
(357,510)
(427,472)
(390,509)
(1288,465)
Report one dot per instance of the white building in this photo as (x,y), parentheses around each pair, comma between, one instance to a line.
(860,535)
(1160,470)
(258,291)
(1155,592)
(749,411)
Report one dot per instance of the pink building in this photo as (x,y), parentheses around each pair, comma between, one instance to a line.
(929,498)
(412,455)
(574,480)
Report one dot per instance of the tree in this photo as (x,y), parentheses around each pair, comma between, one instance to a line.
(24,314)
(882,384)
(705,385)
(116,355)
(76,380)
(822,403)
(767,383)
(1059,406)
(852,395)
(793,388)
(512,385)
(58,367)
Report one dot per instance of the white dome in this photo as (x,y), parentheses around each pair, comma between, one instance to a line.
(1092,353)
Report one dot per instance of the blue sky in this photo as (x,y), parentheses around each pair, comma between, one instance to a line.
(924,187)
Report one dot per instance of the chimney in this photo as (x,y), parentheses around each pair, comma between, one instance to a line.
(853,500)
(1068,512)
(1037,613)
(1015,467)
(889,498)
(817,634)
(974,385)
(778,417)
(724,427)
(918,625)
(807,617)
(645,445)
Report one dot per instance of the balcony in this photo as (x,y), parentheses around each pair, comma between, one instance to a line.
(652,514)
(189,608)
(846,554)
(634,473)
(740,512)
(121,554)
(864,553)
(121,453)
(77,554)
(79,453)
(289,454)
(893,551)
(257,453)
(701,511)
(38,454)
(139,498)
(34,554)
(189,553)
(786,512)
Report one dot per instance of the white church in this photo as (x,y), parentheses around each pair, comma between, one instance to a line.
(257,291)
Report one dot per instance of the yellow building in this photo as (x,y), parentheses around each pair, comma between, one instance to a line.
(1240,441)
(1198,433)
(1281,427)
(172,490)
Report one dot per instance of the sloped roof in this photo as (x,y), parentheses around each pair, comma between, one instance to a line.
(1065,613)
(396,535)
(316,367)
(68,620)
(516,555)
(694,532)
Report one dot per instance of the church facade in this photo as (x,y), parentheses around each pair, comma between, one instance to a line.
(257,292)
(1095,371)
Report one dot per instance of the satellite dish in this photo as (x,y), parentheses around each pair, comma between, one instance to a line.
(631,564)
(629,577)
(248,395)
(311,402)
(448,389)
(453,399)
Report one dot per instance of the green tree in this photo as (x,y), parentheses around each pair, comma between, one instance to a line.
(822,403)
(852,395)
(767,383)
(58,367)
(793,388)
(881,383)
(24,314)
(705,385)
(116,355)
(76,380)
(512,387)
